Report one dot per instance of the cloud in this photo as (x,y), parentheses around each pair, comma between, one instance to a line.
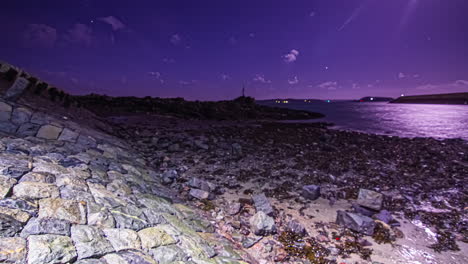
(115,23)
(260,78)
(232,41)
(293,81)
(453,86)
(39,35)
(80,34)
(168,60)
(328,85)
(182,82)
(312,14)
(401,75)
(291,56)
(157,76)
(225,77)
(252,35)
(176,39)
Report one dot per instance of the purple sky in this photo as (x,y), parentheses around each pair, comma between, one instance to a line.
(206,49)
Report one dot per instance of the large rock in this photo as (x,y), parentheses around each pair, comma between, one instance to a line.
(49,132)
(262,224)
(99,216)
(89,241)
(201,184)
(355,222)
(168,254)
(370,199)
(38,226)
(5,111)
(296,227)
(128,257)
(122,239)
(44,177)
(17,88)
(24,205)
(68,210)
(153,237)
(20,116)
(262,204)
(45,249)
(36,190)
(12,250)
(129,217)
(311,192)
(18,214)
(9,226)
(5,185)
(199,194)
(68,135)
(28,129)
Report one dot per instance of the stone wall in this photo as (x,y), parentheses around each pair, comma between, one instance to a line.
(72,194)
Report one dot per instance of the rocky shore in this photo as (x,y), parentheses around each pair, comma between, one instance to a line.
(302,193)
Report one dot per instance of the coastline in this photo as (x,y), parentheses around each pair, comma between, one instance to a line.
(246,158)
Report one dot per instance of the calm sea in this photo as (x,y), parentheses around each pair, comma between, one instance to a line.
(403,120)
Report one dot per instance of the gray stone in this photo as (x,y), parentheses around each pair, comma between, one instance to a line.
(68,135)
(90,261)
(49,132)
(130,217)
(21,204)
(311,192)
(199,194)
(262,224)
(36,190)
(122,239)
(262,204)
(16,88)
(68,210)
(370,199)
(89,241)
(44,177)
(40,118)
(105,197)
(44,249)
(174,148)
(12,250)
(234,208)
(384,216)
(168,254)
(296,227)
(20,116)
(16,213)
(249,242)
(355,222)
(28,129)
(5,185)
(153,237)
(8,127)
(201,145)
(128,257)
(38,226)
(5,111)
(99,216)
(201,184)
(9,226)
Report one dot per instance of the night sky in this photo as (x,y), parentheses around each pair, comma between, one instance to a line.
(207,49)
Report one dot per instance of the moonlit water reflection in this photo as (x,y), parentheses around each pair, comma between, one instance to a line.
(403,120)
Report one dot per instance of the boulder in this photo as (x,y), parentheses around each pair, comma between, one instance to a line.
(233,208)
(129,217)
(128,257)
(370,199)
(68,210)
(122,239)
(5,185)
(311,192)
(20,116)
(168,254)
(90,241)
(50,249)
(296,227)
(38,226)
(36,190)
(355,222)
(99,216)
(5,111)
(262,204)
(68,135)
(12,250)
(49,132)
(199,194)
(201,184)
(153,237)
(28,129)
(9,226)
(262,224)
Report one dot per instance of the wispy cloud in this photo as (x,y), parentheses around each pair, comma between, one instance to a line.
(157,76)
(401,75)
(114,22)
(39,35)
(291,56)
(352,17)
(330,85)
(80,34)
(458,85)
(190,82)
(225,77)
(293,81)
(168,60)
(260,78)
(232,41)
(176,39)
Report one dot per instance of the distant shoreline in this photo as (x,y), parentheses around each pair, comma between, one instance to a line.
(452,98)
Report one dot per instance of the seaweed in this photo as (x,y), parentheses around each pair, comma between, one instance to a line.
(445,242)
(383,234)
(296,246)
